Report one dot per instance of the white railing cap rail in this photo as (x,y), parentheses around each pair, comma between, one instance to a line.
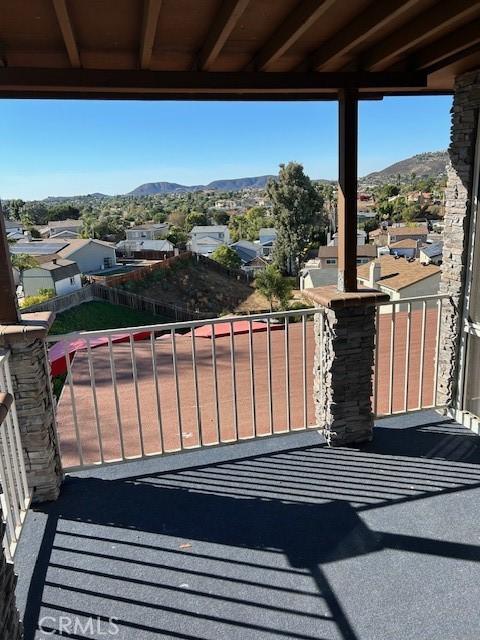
(432,297)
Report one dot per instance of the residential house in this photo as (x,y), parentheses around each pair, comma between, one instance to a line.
(311,277)
(147,231)
(71,227)
(432,253)
(63,276)
(90,255)
(361,238)
(145,245)
(205,239)
(250,254)
(267,237)
(406,248)
(14,229)
(378,237)
(328,255)
(400,278)
(225,204)
(415,232)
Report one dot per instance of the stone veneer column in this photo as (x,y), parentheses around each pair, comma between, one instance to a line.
(344,359)
(30,372)
(465,108)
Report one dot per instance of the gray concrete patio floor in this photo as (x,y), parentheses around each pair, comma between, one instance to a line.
(277,538)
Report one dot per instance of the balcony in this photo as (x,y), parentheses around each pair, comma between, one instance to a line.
(271,536)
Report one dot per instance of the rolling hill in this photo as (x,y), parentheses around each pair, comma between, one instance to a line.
(431,164)
(235,184)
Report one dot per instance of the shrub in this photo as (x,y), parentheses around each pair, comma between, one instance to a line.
(42,296)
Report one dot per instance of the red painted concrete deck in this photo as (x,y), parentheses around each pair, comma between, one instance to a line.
(187,432)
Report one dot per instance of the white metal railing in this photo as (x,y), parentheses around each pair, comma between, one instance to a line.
(149,390)
(165,388)
(15,494)
(406,355)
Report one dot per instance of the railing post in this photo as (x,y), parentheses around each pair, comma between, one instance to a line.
(344,359)
(30,373)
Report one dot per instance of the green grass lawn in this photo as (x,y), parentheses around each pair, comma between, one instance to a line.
(94,316)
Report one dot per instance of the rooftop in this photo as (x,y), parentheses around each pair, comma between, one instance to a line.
(55,224)
(398,273)
(406,243)
(432,250)
(59,269)
(210,228)
(281,538)
(418,230)
(79,243)
(363,251)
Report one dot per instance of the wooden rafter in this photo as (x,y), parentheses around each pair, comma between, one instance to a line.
(444,16)
(227,18)
(375,18)
(292,28)
(68,35)
(151,11)
(448,46)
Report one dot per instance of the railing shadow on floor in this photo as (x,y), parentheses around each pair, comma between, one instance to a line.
(253,535)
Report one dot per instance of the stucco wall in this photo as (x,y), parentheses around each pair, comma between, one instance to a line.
(62,287)
(90,257)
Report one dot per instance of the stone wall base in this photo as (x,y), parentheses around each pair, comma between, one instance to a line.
(30,372)
(344,359)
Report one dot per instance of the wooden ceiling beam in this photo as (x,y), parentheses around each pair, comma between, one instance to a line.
(151,12)
(36,79)
(448,46)
(291,29)
(228,16)
(68,34)
(370,21)
(445,15)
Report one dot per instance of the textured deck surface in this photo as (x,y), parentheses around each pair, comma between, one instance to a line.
(277,538)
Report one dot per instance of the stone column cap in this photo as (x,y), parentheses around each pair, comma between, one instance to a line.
(32,326)
(331,298)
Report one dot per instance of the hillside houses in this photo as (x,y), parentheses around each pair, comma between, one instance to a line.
(205,239)
(90,255)
(65,228)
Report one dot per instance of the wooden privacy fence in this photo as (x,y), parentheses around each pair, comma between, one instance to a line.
(139,273)
(63,303)
(178,313)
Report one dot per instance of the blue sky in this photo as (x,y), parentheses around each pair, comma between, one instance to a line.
(73,147)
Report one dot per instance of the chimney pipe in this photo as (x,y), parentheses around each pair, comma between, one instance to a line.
(374,273)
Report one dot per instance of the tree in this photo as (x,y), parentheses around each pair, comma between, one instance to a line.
(227,257)
(273,286)
(23,261)
(177,237)
(193,219)
(177,219)
(296,208)
(221,217)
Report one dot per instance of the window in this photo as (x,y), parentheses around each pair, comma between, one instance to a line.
(72,280)
(107,263)
(331,261)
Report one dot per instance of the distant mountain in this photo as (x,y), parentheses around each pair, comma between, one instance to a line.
(235,184)
(89,195)
(431,164)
